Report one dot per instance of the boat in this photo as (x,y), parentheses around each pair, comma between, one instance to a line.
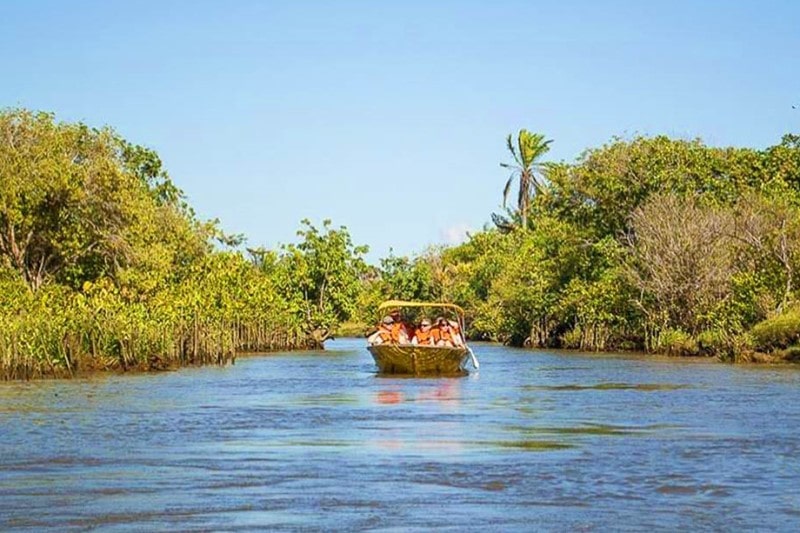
(418,360)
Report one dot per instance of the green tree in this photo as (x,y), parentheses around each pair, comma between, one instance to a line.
(103,264)
(323,273)
(529,149)
(78,203)
(407,279)
(606,185)
(768,224)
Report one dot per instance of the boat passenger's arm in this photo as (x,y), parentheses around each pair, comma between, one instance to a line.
(403,338)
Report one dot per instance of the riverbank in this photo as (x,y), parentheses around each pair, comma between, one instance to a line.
(785,357)
(88,366)
(653,243)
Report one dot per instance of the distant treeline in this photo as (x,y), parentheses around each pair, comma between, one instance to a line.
(103,264)
(655,244)
(651,243)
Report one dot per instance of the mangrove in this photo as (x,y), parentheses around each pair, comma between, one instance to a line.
(648,243)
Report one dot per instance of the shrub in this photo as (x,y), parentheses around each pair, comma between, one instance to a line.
(629,345)
(353,329)
(572,338)
(713,342)
(777,332)
(792,353)
(676,342)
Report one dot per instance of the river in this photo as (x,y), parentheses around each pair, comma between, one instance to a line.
(316,441)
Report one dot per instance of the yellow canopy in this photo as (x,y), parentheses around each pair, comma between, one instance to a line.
(390,304)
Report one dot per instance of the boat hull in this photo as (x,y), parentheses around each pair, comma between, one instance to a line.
(419,360)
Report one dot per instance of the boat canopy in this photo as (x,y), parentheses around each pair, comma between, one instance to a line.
(391,304)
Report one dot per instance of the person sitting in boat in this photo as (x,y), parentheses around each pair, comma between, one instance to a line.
(455,329)
(423,335)
(442,334)
(389,332)
(407,328)
(385,332)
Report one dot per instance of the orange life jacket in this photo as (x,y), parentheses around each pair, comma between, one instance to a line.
(397,327)
(424,337)
(441,335)
(385,333)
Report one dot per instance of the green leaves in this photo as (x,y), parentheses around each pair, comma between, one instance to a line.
(532,146)
(321,275)
(103,261)
(529,149)
(79,203)
(636,240)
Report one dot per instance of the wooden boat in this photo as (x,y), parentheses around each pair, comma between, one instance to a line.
(419,360)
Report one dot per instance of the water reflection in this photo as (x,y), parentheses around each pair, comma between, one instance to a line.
(441,395)
(445,391)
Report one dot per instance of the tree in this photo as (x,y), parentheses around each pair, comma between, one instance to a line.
(407,279)
(523,298)
(65,201)
(103,263)
(683,259)
(322,272)
(529,150)
(79,203)
(606,185)
(770,227)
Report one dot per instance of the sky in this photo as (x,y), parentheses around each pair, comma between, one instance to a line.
(390,118)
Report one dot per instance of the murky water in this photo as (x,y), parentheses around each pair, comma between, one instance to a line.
(318,442)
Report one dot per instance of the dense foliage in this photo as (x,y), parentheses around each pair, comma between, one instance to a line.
(651,243)
(104,265)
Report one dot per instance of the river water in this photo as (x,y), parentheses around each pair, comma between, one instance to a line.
(316,441)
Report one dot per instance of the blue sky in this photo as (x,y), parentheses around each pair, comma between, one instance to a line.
(390,117)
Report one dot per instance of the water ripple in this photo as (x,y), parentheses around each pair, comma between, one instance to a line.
(317,441)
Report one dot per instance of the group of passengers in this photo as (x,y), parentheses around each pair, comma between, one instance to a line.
(394,330)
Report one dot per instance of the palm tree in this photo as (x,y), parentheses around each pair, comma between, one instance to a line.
(530,148)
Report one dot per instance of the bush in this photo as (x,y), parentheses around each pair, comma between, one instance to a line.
(777,332)
(731,347)
(713,342)
(629,345)
(677,342)
(353,329)
(572,338)
(792,353)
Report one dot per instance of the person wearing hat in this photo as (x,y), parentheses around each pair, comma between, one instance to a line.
(389,332)
(385,332)
(422,335)
(405,328)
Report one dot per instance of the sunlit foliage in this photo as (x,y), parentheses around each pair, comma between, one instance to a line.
(103,263)
(650,243)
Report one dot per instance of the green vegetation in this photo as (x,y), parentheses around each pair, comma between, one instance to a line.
(654,244)
(781,331)
(104,265)
(651,243)
(527,153)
